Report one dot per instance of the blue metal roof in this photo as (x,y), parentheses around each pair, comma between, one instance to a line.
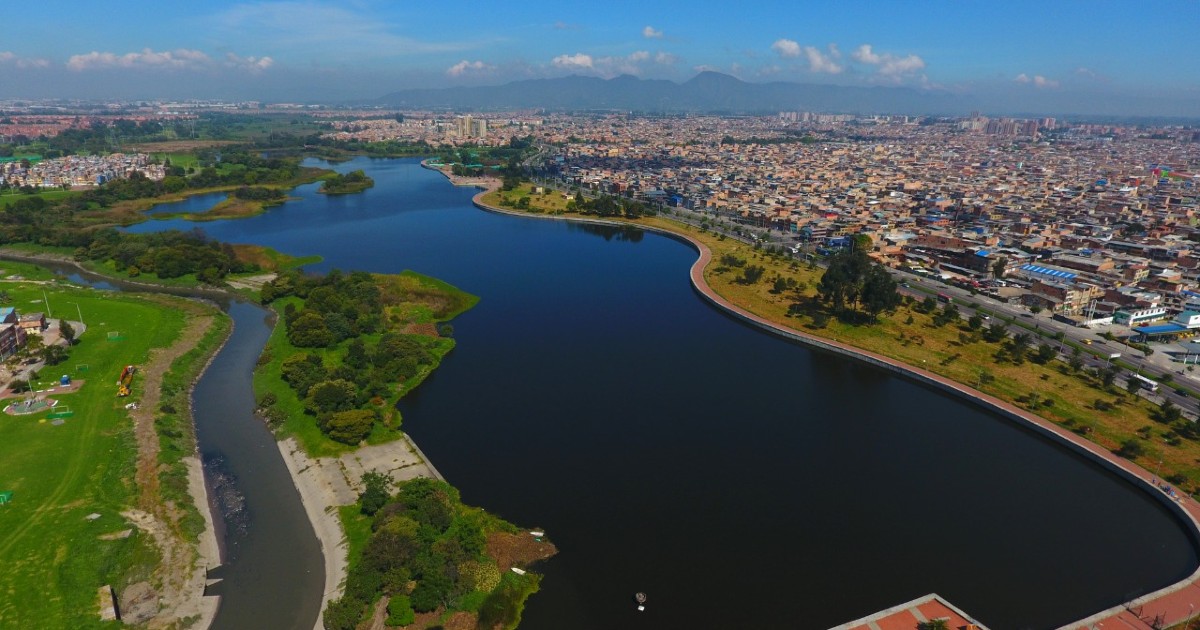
(1053,273)
(1160,329)
(983,252)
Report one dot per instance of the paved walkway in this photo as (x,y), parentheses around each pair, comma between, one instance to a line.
(906,616)
(1167,606)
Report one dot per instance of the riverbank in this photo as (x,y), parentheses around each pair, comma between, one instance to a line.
(1162,600)
(328,483)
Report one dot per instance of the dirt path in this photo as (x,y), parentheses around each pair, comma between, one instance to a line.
(175,576)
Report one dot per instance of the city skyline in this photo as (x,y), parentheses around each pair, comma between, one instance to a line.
(1036,56)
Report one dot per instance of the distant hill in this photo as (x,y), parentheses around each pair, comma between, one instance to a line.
(706,92)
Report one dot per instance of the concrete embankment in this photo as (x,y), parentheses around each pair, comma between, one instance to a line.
(1173,602)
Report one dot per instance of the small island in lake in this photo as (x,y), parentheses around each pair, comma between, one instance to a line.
(352,182)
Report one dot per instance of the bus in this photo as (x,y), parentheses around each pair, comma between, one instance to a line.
(942,297)
(1146,383)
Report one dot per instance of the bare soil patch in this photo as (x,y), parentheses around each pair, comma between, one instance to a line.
(518,550)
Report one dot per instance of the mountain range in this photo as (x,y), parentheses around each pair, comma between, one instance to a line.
(706,92)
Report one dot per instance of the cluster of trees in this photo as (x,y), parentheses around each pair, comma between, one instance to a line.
(853,280)
(335,306)
(426,551)
(354,181)
(344,397)
(608,206)
(259,193)
(171,254)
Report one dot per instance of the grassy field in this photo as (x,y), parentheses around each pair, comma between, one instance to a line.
(54,557)
(8,199)
(271,260)
(178,158)
(414,299)
(1077,401)
(550,201)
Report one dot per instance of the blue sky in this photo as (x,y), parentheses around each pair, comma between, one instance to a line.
(363,48)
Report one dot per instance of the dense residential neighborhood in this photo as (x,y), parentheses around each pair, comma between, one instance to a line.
(1085,221)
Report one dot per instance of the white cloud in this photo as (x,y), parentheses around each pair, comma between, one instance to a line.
(666,59)
(786,48)
(253,65)
(820,62)
(890,66)
(863,54)
(651,33)
(706,68)
(10,58)
(178,59)
(578,61)
(1037,80)
(612,66)
(465,67)
(328,30)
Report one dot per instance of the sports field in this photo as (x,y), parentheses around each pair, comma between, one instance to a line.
(55,550)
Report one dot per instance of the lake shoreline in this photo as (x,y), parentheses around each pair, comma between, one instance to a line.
(1187,510)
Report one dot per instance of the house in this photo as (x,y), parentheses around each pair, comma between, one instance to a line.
(33,323)
(12,338)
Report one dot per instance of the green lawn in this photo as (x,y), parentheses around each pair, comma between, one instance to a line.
(8,199)
(186,160)
(53,557)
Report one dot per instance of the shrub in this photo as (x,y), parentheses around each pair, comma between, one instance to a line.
(400,611)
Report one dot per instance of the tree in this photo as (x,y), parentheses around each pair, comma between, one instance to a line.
(879,291)
(350,427)
(1130,448)
(1017,347)
(1108,376)
(751,274)
(862,243)
(1168,412)
(375,492)
(67,331)
(934,624)
(1045,353)
(1076,361)
(330,396)
(308,330)
(976,322)
(1132,385)
(999,267)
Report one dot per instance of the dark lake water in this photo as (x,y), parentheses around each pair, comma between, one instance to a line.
(195,203)
(740,480)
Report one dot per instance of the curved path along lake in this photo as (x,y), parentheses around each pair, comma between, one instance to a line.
(740,480)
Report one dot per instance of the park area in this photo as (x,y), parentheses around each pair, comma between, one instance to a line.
(71,476)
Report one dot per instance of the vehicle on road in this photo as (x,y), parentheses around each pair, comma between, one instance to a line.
(1146,383)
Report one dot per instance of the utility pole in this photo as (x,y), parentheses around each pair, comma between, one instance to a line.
(80,311)
(47,301)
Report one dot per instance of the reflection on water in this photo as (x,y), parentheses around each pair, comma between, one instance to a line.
(608,232)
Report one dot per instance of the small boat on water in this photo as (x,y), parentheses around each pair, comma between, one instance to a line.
(640,598)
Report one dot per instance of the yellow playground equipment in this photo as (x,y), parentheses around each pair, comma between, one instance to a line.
(126,380)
